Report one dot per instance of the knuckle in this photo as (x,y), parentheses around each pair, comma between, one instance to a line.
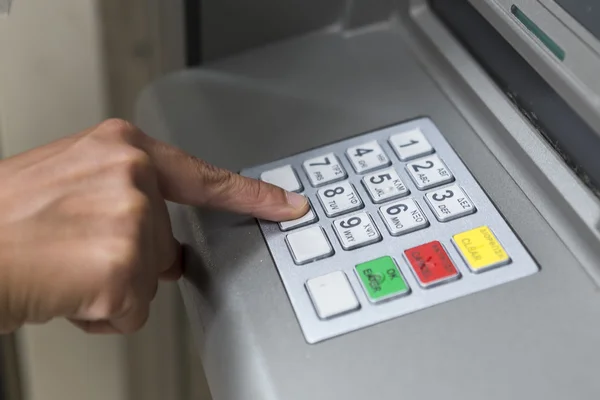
(118,128)
(133,205)
(133,162)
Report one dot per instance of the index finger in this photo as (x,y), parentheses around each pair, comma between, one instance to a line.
(189,180)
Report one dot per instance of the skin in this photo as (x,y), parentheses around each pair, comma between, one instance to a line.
(84,230)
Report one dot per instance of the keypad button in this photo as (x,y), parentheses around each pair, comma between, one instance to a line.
(449,203)
(367,157)
(308,218)
(332,295)
(325,169)
(431,265)
(381,279)
(429,172)
(480,249)
(339,199)
(403,217)
(410,145)
(285,177)
(356,231)
(309,244)
(384,185)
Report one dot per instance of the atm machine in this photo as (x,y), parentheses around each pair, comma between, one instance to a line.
(450,153)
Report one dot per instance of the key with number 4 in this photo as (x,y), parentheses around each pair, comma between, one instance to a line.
(367,157)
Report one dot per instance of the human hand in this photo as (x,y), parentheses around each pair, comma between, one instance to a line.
(84,229)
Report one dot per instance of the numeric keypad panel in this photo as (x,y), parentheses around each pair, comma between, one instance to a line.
(397,224)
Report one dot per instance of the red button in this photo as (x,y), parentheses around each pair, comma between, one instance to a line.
(431,264)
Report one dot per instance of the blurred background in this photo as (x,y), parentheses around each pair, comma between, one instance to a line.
(66,65)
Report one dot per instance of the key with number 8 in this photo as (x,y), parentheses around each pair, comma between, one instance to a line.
(339,198)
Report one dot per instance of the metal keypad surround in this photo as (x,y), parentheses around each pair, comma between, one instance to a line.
(295,277)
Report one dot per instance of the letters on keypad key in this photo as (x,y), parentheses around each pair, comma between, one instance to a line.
(402,217)
(367,157)
(449,203)
(431,265)
(356,231)
(429,172)
(339,198)
(384,185)
(325,169)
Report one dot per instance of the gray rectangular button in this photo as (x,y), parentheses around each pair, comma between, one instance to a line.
(429,172)
(339,198)
(356,231)
(285,177)
(449,203)
(384,185)
(403,217)
(309,244)
(325,169)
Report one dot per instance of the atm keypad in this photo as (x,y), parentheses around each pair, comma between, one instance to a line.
(397,224)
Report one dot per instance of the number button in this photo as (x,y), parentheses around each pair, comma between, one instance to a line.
(403,216)
(429,172)
(384,185)
(410,145)
(356,231)
(449,203)
(339,199)
(367,157)
(325,169)
(285,177)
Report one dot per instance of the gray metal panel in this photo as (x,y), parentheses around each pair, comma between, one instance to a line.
(531,339)
(233,26)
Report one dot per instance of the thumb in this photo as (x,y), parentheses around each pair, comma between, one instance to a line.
(189,180)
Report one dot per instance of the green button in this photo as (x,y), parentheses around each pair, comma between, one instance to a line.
(381,279)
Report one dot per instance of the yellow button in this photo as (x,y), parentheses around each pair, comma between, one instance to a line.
(480,249)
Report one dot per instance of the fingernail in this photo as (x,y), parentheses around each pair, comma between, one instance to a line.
(296,200)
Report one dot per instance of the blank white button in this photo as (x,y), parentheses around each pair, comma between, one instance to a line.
(325,169)
(307,219)
(367,157)
(449,203)
(339,198)
(403,216)
(285,177)
(332,295)
(410,145)
(429,172)
(356,231)
(308,245)
(384,185)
